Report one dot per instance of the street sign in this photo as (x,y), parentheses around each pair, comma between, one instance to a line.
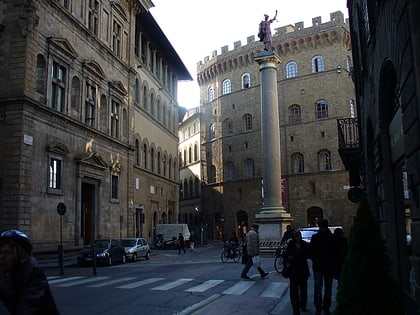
(61,208)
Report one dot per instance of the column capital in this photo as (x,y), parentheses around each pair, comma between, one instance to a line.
(267,57)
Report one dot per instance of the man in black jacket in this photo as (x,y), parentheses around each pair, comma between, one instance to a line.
(24,288)
(324,255)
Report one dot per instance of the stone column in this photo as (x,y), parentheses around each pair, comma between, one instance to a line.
(272,217)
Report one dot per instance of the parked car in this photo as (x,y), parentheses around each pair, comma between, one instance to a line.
(136,247)
(108,251)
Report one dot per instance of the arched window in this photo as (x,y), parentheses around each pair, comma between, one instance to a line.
(226,87)
(152,105)
(190,154)
(195,152)
(246,81)
(227,127)
(295,114)
(317,64)
(324,160)
(170,168)
(228,171)
(321,109)
(144,156)
(159,165)
(297,163)
(152,159)
(158,110)
(164,161)
(211,94)
(145,98)
(137,161)
(164,115)
(291,70)
(185,157)
(249,169)
(212,131)
(137,92)
(247,121)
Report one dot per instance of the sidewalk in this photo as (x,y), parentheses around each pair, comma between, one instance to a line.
(285,308)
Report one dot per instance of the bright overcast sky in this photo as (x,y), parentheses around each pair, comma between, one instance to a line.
(196,28)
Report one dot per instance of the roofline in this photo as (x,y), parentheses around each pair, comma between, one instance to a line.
(163,44)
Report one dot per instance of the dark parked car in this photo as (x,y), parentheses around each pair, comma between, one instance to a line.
(136,247)
(108,251)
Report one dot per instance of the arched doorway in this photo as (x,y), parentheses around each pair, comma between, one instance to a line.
(314,214)
(242,226)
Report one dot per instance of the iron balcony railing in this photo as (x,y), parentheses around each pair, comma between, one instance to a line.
(348,134)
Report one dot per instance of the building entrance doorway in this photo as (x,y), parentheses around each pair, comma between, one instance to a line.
(87,212)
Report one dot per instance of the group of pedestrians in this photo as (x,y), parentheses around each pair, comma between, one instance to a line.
(327,252)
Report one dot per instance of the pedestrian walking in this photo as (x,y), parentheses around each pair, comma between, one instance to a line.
(296,256)
(253,251)
(24,288)
(324,256)
(181,243)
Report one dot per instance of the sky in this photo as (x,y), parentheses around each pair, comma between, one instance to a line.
(196,28)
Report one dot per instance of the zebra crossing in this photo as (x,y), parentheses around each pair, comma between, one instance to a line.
(272,289)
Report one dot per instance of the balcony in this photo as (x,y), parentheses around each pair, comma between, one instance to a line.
(349,147)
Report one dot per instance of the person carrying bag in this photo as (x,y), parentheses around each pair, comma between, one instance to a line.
(253,249)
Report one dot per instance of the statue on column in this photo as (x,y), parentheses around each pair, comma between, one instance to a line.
(264,32)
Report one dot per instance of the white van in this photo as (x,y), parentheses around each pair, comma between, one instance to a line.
(171,231)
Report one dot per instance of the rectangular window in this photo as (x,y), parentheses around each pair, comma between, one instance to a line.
(90,104)
(116,38)
(55,174)
(115,108)
(64,3)
(114,186)
(58,86)
(93,16)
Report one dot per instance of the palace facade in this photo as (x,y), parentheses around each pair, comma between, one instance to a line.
(89,120)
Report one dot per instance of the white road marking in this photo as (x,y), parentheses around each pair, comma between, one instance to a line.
(64,280)
(103,284)
(275,290)
(173,284)
(205,286)
(84,281)
(239,288)
(139,283)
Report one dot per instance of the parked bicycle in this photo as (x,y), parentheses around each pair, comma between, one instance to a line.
(230,252)
(278,260)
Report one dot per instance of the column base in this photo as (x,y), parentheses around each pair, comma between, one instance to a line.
(272,225)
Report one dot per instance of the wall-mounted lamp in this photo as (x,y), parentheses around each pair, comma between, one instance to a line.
(338,69)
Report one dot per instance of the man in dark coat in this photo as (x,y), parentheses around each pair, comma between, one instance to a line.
(296,256)
(324,256)
(24,288)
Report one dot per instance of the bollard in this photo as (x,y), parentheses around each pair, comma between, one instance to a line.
(94,259)
(61,259)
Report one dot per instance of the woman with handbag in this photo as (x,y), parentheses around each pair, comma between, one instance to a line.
(296,264)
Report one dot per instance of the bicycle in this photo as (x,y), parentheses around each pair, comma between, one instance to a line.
(278,260)
(230,253)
